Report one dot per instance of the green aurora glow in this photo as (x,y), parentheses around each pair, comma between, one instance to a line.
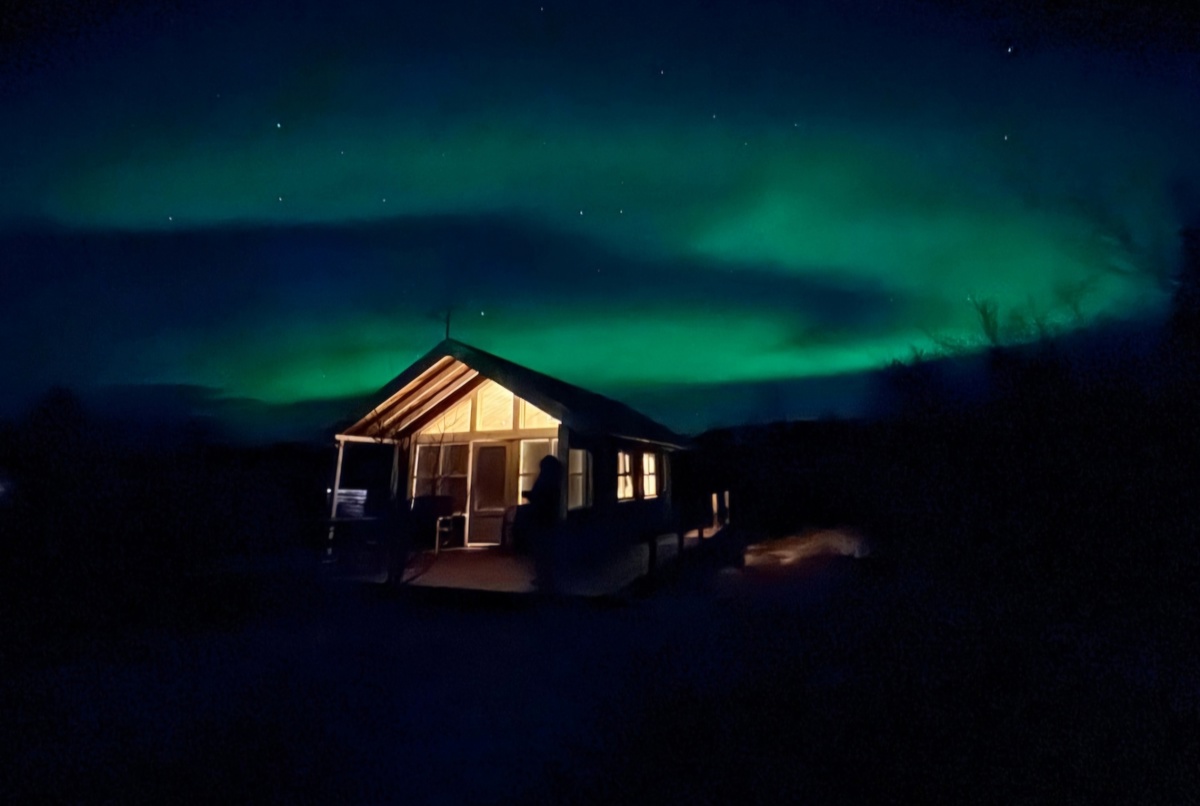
(899,170)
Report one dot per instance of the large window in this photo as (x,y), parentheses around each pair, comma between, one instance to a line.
(579,479)
(624,476)
(491,407)
(442,470)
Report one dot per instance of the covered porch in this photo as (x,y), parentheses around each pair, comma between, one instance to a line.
(461,443)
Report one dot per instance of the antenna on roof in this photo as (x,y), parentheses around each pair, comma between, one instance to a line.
(448,311)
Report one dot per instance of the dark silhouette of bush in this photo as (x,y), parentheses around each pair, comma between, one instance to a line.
(105,529)
(1065,480)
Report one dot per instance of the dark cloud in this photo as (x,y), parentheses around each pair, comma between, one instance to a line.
(133,284)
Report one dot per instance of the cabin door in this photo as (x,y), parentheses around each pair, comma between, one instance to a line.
(489,492)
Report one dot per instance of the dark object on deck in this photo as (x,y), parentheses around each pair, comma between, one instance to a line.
(379,545)
(432,522)
(510,529)
(544,500)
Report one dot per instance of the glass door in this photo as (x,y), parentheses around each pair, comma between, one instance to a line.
(489,492)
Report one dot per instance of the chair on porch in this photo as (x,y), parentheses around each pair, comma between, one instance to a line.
(434,524)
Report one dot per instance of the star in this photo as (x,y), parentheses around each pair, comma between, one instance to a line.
(278,125)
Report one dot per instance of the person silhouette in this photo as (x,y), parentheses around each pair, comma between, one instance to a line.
(544,502)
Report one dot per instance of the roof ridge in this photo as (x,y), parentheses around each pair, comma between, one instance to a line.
(588,409)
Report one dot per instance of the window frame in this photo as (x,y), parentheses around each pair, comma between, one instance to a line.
(584,474)
(521,475)
(625,470)
(653,456)
(440,476)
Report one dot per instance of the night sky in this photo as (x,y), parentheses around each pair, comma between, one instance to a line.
(717,210)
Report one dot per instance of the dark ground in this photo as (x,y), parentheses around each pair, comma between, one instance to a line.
(828,679)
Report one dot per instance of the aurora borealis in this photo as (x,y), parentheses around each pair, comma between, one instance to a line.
(275,202)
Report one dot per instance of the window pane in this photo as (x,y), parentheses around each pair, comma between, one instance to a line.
(579,478)
(533,417)
(625,487)
(624,475)
(422,487)
(532,453)
(456,488)
(648,463)
(454,460)
(495,408)
(489,478)
(427,459)
(649,486)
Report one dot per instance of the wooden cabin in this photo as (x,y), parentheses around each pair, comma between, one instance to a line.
(471,428)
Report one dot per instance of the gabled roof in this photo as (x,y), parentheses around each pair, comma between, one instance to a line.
(453,369)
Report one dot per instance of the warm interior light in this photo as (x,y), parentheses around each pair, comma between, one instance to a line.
(624,476)
(454,421)
(533,417)
(495,408)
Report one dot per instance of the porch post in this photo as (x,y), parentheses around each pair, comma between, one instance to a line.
(395,468)
(337,485)
(564,458)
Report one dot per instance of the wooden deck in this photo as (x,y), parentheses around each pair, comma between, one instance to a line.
(484,569)
(490,569)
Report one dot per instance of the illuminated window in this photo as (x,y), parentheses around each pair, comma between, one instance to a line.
(495,408)
(455,421)
(624,476)
(579,479)
(649,475)
(533,451)
(442,470)
(533,417)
